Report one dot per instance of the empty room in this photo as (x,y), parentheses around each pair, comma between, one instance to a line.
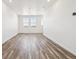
(38,29)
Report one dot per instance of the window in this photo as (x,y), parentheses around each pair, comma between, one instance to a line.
(29,21)
(33,21)
(25,21)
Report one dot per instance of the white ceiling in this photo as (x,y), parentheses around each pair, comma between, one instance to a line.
(21,6)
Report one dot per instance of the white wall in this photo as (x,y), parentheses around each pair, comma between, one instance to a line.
(9,23)
(37,29)
(59,24)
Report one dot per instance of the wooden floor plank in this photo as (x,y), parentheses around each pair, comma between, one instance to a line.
(33,46)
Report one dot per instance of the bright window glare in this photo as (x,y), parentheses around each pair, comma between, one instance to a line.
(30,21)
(26,21)
(33,21)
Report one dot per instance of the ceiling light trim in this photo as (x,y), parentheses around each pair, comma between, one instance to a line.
(48,0)
(10,1)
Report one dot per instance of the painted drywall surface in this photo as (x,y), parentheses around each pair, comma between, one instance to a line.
(9,20)
(37,29)
(60,25)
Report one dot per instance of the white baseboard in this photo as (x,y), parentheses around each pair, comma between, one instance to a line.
(9,38)
(61,45)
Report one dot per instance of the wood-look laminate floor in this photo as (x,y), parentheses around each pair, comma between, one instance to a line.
(33,46)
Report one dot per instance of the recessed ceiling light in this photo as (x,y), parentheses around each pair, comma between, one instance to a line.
(10,1)
(48,0)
